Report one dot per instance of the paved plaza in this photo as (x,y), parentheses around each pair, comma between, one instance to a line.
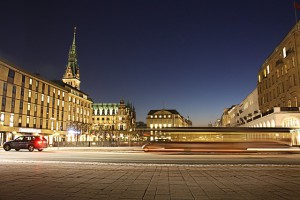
(70,181)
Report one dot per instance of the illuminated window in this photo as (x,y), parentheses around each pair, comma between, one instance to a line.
(28,106)
(42,97)
(151,116)
(268,69)
(30,81)
(265,73)
(2,117)
(29,93)
(284,52)
(48,99)
(259,78)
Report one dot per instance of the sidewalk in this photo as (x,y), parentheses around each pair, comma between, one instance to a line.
(34,181)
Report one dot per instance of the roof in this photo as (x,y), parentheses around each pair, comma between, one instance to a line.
(173,111)
(65,85)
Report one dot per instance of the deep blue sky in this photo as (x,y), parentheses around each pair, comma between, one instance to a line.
(195,56)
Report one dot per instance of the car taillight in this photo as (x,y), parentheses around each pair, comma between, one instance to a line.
(39,142)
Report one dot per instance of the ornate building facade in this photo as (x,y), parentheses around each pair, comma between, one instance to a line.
(114,121)
(166,118)
(79,109)
(158,119)
(72,76)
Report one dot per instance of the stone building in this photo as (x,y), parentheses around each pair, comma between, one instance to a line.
(164,118)
(79,109)
(275,101)
(31,104)
(114,121)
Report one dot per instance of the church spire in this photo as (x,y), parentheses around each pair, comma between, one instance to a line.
(73,44)
(72,76)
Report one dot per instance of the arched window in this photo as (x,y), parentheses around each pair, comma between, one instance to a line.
(289,103)
(273,123)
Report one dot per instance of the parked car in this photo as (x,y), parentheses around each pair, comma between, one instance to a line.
(26,142)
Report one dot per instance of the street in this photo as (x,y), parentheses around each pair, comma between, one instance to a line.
(135,155)
(131,174)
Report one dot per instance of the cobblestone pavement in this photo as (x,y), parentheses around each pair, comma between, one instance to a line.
(70,181)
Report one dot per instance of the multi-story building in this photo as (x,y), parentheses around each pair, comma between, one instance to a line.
(275,102)
(278,84)
(158,119)
(226,118)
(30,104)
(113,120)
(166,118)
(79,109)
(243,113)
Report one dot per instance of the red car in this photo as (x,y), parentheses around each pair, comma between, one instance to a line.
(26,142)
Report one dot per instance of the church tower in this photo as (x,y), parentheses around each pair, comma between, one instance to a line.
(71,76)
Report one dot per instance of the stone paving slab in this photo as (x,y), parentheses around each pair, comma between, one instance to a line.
(77,181)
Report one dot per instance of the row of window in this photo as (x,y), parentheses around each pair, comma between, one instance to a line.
(290,103)
(160,116)
(11,76)
(78,102)
(106,112)
(36,122)
(285,67)
(160,125)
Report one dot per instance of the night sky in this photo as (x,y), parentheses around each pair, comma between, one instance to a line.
(195,56)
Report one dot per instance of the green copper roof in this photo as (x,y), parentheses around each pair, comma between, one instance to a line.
(72,59)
